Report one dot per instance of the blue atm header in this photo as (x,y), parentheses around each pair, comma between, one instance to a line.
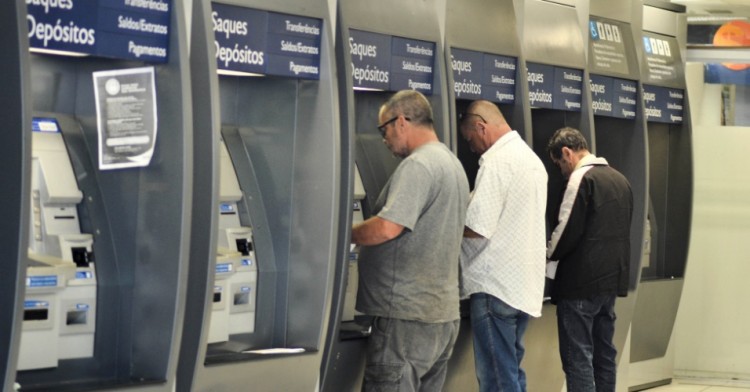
(478,75)
(663,104)
(123,29)
(268,43)
(552,87)
(384,62)
(613,97)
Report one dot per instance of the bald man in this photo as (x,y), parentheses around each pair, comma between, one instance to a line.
(503,251)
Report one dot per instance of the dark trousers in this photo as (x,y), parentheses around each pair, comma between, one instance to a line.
(585,329)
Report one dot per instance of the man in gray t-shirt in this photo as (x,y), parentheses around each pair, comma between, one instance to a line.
(409,261)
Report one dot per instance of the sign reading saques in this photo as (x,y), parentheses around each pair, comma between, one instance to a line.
(384,62)
(123,29)
(250,41)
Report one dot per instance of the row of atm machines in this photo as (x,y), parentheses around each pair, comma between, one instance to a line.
(182,176)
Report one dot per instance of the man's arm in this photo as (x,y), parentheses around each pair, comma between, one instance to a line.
(375,231)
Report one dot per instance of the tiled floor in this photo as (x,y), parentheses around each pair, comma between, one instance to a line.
(683,386)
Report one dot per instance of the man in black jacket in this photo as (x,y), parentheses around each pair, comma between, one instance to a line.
(591,243)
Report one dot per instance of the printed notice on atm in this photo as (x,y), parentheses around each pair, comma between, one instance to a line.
(126,117)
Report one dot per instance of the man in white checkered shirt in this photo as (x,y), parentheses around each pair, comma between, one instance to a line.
(503,252)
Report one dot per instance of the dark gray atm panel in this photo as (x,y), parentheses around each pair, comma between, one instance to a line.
(138,217)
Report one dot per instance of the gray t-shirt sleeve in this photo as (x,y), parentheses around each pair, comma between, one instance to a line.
(408,194)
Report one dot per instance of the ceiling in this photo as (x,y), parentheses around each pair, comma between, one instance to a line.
(719,11)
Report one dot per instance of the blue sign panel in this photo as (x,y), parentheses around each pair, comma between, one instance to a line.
(293,46)
(602,96)
(613,97)
(412,64)
(625,98)
(482,75)
(541,79)
(384,62)
(125,29)
(568,89)
(239,37)
(467,73)
(267,43)
(499,79)
(662,104)
(371,59)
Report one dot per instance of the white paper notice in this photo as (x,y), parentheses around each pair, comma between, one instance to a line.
(126,117)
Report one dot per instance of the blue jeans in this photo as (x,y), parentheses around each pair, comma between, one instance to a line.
(585,329)
(498,344)
(406,356)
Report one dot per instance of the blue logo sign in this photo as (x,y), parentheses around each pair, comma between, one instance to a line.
(594,31)
(267,43)
(390,63)
(663,63)
(124,29)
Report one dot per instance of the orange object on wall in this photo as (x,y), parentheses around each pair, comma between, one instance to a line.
(733,34)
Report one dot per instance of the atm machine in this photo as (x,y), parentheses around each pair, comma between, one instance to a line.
(105,99)
(15,159)
(378,53)
(236,273)
(485,58)
(670,172)
(277,201)
(553,46)
(60,305)
(619,127)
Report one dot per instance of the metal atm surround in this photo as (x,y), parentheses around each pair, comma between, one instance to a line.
(551,32)
(670,213)
(343,363)
(493,29)
(283,138)
(15,159)
(138,217)
(623,142)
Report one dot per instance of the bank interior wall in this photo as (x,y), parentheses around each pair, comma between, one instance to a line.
(711,339)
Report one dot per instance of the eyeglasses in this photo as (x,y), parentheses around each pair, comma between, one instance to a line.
(462,117)
(382,126)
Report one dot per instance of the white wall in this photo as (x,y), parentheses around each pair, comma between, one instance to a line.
(712,332)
